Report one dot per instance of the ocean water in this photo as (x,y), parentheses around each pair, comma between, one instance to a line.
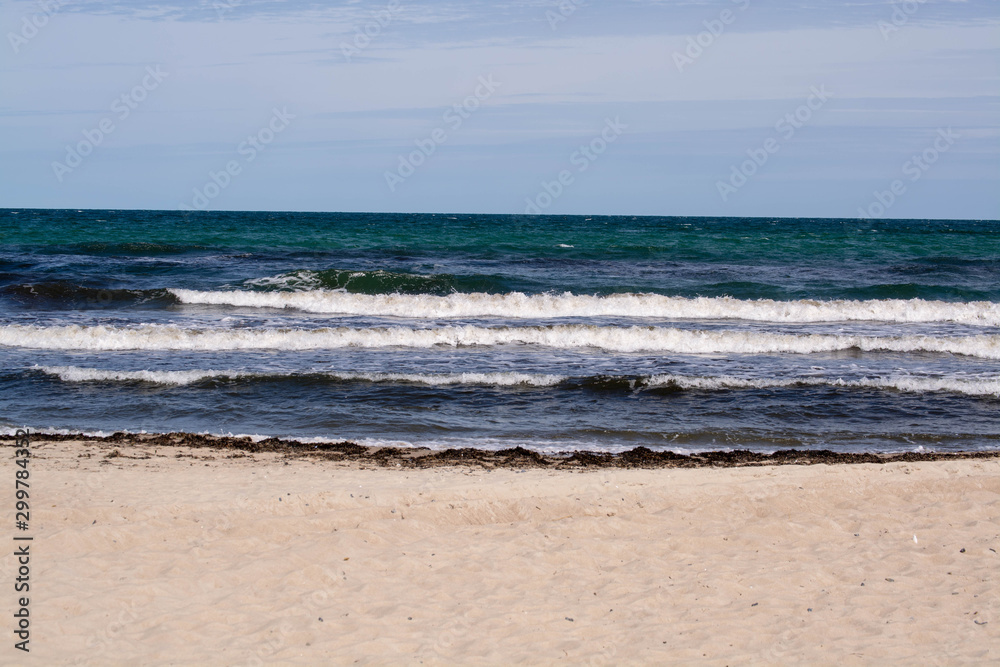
(554,333)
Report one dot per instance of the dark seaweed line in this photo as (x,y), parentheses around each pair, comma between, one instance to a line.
(518,457)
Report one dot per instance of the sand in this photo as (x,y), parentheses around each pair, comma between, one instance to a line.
(187,556)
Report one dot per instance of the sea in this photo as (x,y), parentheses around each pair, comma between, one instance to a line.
(553,333)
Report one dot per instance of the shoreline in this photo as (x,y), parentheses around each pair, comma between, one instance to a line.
(516,457)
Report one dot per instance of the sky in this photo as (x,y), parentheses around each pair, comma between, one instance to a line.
(805,108)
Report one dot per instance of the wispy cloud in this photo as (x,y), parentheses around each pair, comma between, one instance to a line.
(355,115)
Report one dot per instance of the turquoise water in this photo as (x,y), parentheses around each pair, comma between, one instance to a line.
(552,332)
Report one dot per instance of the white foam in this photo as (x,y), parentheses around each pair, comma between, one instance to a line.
(612,339)
(499,379)
(77,374)
(180,378)
(519,305)
(982,387)
(972,386)
(10,430)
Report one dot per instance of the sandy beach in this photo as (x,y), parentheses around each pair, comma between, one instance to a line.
(174,555)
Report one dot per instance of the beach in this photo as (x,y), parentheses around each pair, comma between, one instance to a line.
(197,555)
(500,333)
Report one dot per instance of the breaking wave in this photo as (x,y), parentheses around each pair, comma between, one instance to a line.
(518,305)
(569,336)
(912,384)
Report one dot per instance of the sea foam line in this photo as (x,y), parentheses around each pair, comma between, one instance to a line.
(910,384)
(569,336)
(180,378)
(516,305)
(907,383)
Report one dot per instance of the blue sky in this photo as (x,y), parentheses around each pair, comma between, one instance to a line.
(583,107)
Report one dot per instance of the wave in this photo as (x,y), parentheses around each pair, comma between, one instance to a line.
(78,296)
(972,387)
(570,336)
(906,383)
(520,305)
(375,282)
(181,378)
